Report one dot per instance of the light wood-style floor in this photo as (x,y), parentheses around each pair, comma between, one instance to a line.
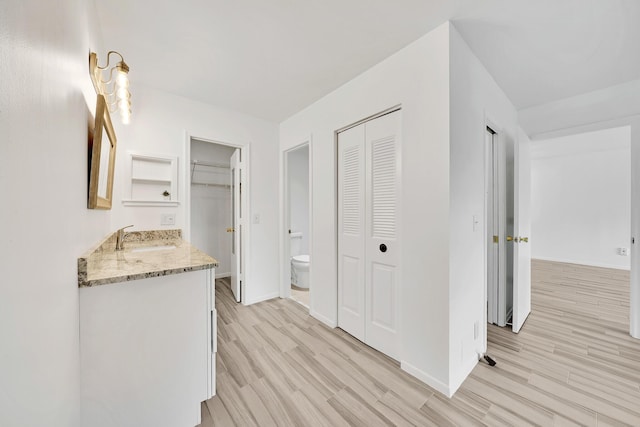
(300,295)
(573,363)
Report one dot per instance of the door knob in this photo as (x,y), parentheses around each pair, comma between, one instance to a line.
(524,239)
(383,248)
(230,230)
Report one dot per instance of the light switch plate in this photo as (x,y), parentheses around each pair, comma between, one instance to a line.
(168,219)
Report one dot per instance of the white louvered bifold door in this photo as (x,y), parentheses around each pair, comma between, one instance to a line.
(351,237)
(381,253)
(368,187)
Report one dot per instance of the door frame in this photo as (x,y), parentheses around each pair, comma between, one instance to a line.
(498,131)
(399,204)
(285,265)
(245,151)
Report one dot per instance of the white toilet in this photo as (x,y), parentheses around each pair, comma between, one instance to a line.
(299,262)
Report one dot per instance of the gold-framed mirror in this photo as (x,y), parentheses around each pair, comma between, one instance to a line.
(103,158)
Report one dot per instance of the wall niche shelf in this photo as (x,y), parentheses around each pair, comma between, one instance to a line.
(152,180)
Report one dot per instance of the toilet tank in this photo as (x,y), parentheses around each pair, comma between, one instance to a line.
(296,243)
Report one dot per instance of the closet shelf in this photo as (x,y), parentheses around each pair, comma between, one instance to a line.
(211,184)
(151,180)
(150,203)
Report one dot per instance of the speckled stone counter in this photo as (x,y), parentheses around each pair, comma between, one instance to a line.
(146,254)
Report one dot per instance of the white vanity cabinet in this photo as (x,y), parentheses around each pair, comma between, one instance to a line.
(147,350)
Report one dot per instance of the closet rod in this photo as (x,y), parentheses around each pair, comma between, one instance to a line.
(209,164)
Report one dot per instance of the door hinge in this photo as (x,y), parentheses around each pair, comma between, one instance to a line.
(495,239)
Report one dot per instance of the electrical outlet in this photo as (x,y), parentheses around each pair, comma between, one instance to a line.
(623,251)
(167,219)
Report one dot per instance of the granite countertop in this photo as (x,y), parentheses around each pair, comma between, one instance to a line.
(146,254)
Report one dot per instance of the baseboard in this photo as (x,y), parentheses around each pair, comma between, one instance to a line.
(221,275)
(588,264)
(463,374)
(329,322)
(426,378)
(262,298)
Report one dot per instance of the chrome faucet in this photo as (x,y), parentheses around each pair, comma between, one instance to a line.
(120,238)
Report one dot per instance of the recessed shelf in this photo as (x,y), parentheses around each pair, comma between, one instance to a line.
(152,181)
(150,203)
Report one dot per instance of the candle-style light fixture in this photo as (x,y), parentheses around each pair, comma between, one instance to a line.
(116,87)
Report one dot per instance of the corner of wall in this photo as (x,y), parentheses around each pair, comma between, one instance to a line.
(431,381)
(457,377)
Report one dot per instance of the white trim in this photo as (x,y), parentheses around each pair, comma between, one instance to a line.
(426,378)
(588,264)
(371,117)
(222,275)
(322,318)
(186,190)
(261,298)
(310,238)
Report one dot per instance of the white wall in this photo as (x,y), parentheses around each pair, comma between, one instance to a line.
(581,198)
(589,111)
(211,205)
(298,171)
(417,78)
(476,101)
(158,125)
(46,99)
(634,301)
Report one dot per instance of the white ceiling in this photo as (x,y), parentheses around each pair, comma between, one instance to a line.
(272,58)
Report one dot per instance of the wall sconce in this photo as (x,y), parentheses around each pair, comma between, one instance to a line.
(116,88)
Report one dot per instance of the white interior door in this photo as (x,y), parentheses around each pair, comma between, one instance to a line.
(496,183)
(351,232)
(368,256)
(492,236)
(382,137)
(237,223)
(522,231)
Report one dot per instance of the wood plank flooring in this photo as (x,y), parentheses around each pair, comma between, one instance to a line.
(300,295)
(573,363)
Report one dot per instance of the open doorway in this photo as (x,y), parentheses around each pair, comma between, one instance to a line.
(582,193)
(297,225)
(216,203)
(508,226)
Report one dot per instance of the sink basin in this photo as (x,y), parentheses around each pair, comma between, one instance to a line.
(153,248)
